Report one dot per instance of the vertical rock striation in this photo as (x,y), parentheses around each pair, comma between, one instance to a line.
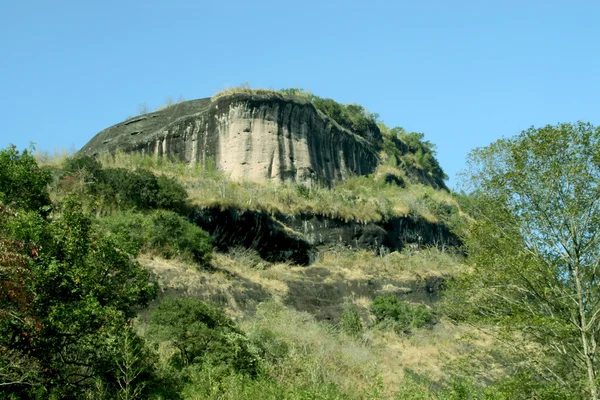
(247,136)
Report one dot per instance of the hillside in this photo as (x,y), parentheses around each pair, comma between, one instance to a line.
(222,287)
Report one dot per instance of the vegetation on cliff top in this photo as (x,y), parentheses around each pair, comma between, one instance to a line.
(407,151)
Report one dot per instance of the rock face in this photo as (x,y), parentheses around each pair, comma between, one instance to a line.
(248,136)
(279,238)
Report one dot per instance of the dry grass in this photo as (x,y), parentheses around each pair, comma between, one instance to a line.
(245,88)
(317,351)
(54,159)
(215,286)
(272,280)
(361,199)
(407,265)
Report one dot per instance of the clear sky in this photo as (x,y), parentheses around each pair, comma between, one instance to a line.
(465,73)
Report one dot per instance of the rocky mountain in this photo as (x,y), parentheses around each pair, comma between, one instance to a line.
(249,136)
(254,136)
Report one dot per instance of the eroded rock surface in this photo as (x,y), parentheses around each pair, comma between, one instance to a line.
(280,238)
(253,137)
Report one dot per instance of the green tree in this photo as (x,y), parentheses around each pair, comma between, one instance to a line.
(202,334)
(534,246)
(66,294)
(22,182)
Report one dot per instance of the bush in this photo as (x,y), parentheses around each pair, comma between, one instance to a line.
(175,236)
(79,163)
(125,189)
(350,322)
(203,335)
(22,182)
(133,189)
(401,315)
(269,346)
(163,232)
(171,194)
(128,231)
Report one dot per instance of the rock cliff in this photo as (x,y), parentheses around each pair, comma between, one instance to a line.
(248,136)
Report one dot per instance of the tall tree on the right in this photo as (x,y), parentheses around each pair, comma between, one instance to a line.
(534,245)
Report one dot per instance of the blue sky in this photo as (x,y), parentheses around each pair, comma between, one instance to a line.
(465,73)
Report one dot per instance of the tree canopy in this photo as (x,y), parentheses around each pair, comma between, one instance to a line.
(534,246)
(67,292)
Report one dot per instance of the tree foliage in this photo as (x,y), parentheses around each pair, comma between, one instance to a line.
(66,295)
(124,189)
(67,292)
(535,247)
(22,182)
(202,334)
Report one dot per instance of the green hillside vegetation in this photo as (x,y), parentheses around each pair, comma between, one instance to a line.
(102,219)
(362,199)
(108,291)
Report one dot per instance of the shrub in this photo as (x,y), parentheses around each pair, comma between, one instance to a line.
(134,189)
(401,315)
(350,322)
(22,182)
(125,189)
(174,235)
(203,335)
(248,257)
(171,194)
(78,163)
(142,190)
(269,346)
(163,232)
(128,231)
(422,316)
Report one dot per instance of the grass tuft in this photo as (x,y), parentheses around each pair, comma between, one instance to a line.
(362,198)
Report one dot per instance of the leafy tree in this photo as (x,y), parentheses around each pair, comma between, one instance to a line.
(535,247)
(203,334)
(22,182)
(163,232)
(66,294)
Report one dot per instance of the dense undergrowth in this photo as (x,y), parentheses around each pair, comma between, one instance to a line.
(108,291)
